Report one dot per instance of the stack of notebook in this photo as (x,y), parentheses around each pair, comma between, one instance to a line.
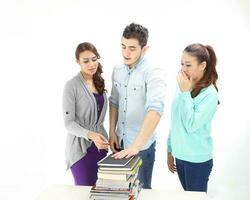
(117,179)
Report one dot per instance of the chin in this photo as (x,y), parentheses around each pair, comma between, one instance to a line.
(126,62)
(92,73)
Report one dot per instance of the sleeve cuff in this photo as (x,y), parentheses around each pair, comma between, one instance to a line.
(113,103)
(157,107)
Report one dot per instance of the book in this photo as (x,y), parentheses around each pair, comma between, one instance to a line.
(111,197)
(116,184)
(124,177)
(117,194)
(129,166)
(121,170)
(110,161)
(99,190)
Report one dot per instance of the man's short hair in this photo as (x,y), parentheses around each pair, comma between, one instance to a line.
(136,31)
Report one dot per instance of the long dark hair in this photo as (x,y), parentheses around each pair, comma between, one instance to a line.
(204,53)
(97,78)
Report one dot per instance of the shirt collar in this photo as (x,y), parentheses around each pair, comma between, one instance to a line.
(137,65)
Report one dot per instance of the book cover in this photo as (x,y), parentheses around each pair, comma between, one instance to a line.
(128,166)
(109,161)
(122,170)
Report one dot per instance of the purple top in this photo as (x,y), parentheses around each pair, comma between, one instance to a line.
(99,101)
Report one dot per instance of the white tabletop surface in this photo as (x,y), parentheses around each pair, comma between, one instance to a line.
(68,192)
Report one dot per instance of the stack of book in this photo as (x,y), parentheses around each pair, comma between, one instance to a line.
(117,179)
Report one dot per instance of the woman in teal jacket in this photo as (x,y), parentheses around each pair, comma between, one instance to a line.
(192,112)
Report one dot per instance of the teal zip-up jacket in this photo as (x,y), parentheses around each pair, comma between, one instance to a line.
(190,130)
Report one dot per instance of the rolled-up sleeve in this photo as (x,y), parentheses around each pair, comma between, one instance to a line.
(114,97)
(156,89)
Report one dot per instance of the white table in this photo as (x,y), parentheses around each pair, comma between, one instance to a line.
(67,192)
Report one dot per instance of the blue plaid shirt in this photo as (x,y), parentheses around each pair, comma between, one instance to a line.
(135,92)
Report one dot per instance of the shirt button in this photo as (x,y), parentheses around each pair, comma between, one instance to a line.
(125,98)
(122,122)
(124,111)
(129,73)
(125,85)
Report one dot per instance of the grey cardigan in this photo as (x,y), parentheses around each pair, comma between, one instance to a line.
(80,117)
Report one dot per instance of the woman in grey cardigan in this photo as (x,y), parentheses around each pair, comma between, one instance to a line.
(84,109)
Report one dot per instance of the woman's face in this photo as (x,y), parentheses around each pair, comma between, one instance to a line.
(88,62)
(191,66)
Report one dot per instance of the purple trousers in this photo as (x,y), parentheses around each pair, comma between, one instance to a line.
(84,171)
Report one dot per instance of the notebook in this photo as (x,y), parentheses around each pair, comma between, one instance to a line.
(109,161)
(130,168)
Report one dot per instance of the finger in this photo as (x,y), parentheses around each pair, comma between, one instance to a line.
(104,143)
(184,75)
(123,155)
(113,149)
(115,154)
(129,155)
(104,139)
(172,170)
(117,145)
(120,154)
(103,147)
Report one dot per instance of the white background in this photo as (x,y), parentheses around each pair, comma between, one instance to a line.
(37,44)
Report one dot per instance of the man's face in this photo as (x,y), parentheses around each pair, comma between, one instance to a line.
(131,51)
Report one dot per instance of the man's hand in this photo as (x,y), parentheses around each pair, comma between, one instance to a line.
(114,144)
(126,153)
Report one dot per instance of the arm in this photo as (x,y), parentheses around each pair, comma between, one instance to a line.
(150,122)
(170,158)
(69,101)
(155,86)
(113,116)
(194,118)
(154,106)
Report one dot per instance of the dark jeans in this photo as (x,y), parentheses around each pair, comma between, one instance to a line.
(146,169)
(194,176)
